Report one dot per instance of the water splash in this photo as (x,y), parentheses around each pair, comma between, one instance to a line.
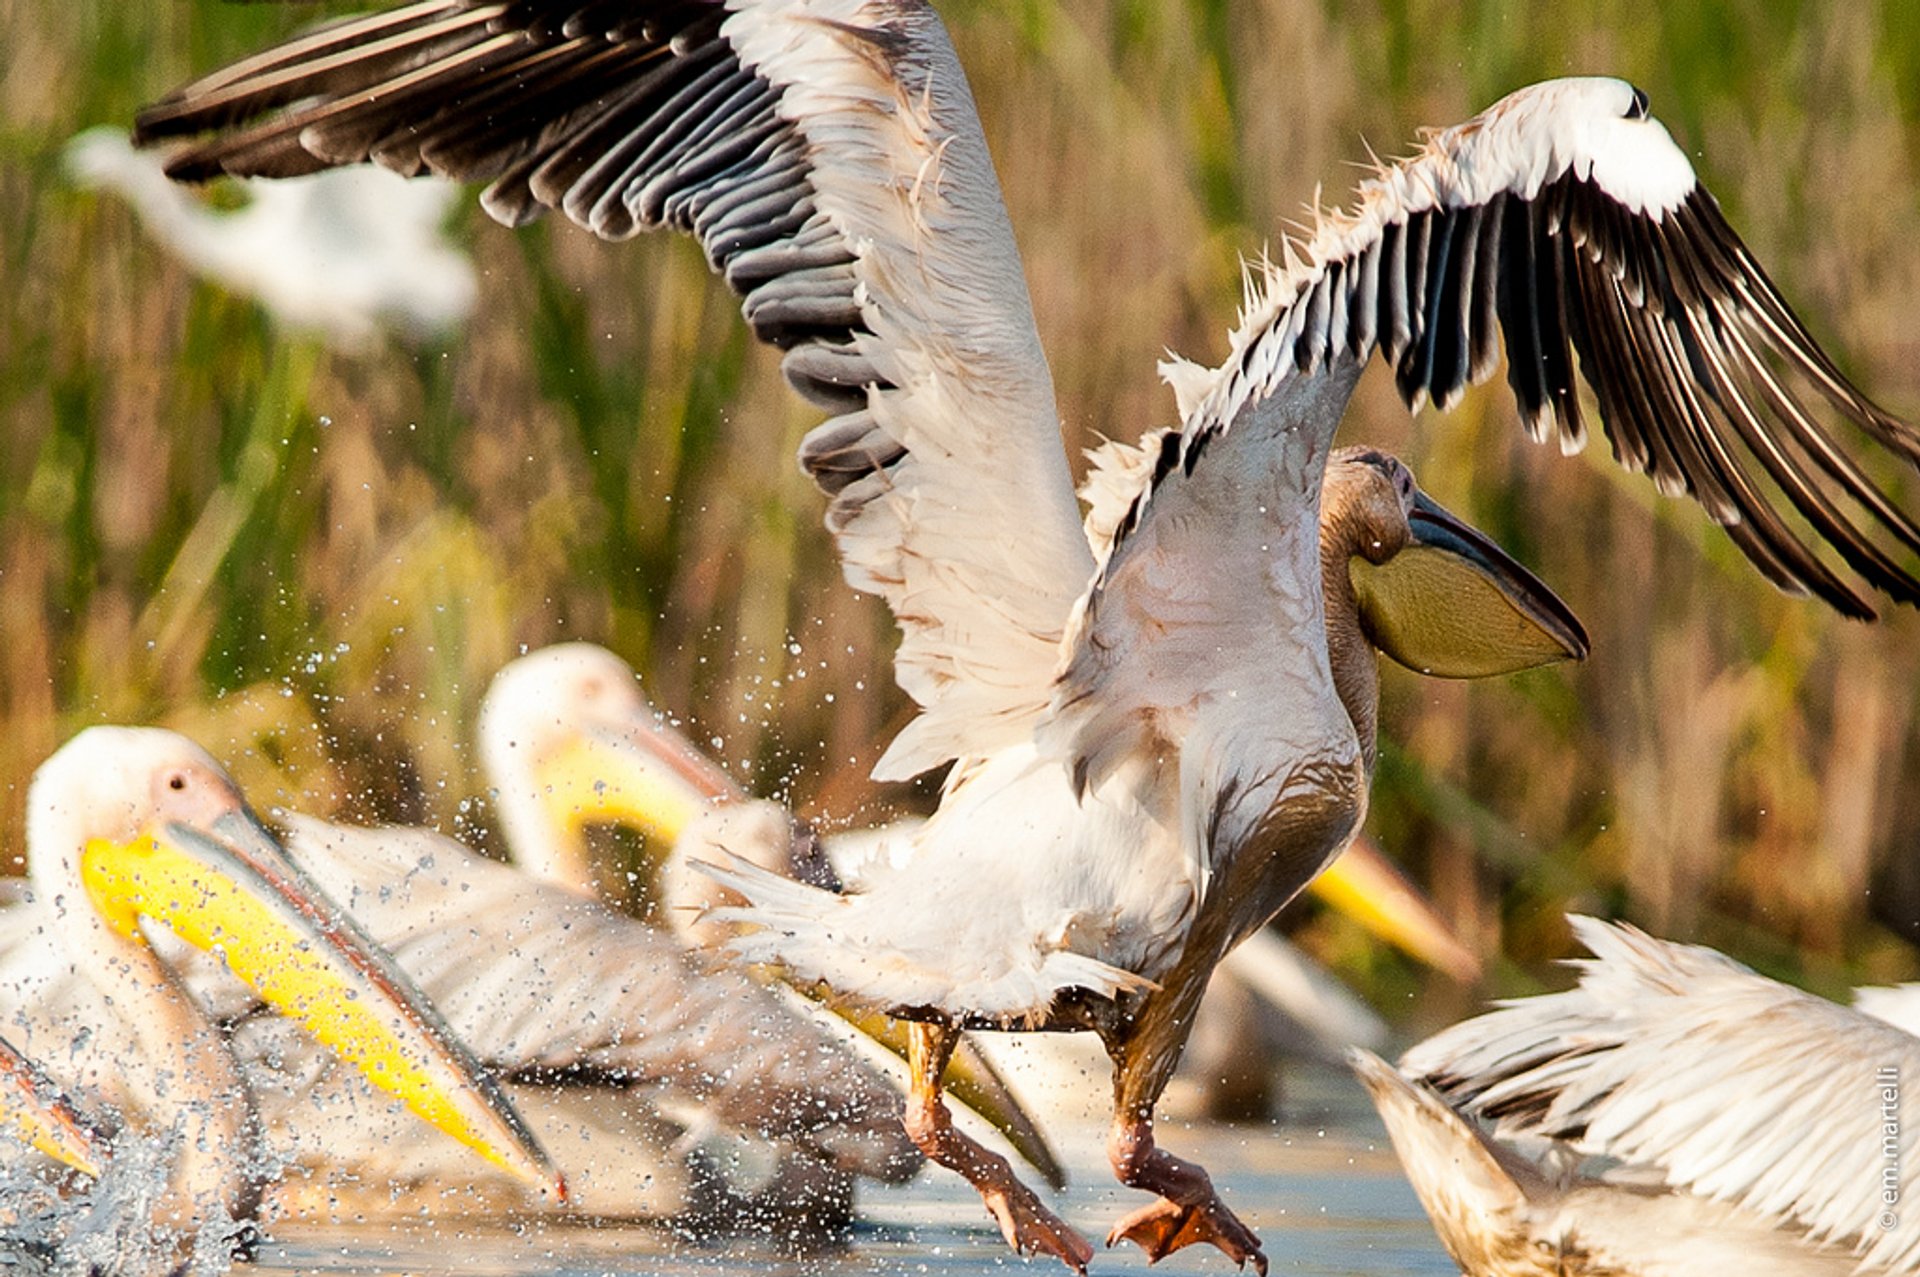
(59,1226)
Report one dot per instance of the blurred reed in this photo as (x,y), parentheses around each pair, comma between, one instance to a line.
(314,562)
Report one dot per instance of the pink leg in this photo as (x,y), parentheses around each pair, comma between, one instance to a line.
(1188,1211)
(1029,1227)
(1145,1054)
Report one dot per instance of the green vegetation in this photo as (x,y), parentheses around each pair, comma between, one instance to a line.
(314,561)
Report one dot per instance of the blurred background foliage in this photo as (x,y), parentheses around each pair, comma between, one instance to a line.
(314,561)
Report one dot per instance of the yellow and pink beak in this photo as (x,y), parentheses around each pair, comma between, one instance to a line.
(225,885)
(35,1111)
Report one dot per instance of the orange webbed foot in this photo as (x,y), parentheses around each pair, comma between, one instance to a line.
(1167,1226)
(1031,1229)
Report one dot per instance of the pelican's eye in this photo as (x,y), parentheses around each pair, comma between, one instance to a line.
(1637,110)
(177,781)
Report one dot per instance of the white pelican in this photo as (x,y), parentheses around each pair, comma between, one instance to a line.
(580,990)
(1151,752)
(1750,1125)
(568,738)
(132,827)
(343,254)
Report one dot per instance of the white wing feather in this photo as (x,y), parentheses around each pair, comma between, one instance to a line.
(1735,1087)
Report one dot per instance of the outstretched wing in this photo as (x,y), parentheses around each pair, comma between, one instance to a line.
(1565,216)
(827,155)
(1734,1086)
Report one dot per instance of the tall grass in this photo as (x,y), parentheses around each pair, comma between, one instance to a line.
(313,561)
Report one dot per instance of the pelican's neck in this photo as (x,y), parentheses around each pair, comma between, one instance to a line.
(1356,672)
(182,1079)
(546,847)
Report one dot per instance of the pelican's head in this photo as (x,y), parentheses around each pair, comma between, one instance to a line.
(130,826)
(568,740)
(116,787)
(1427,588)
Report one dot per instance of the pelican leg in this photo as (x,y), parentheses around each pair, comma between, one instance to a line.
(1029,1227)
(1189,1210)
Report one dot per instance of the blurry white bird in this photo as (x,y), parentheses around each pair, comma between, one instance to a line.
(132,828)
(568,741)
(342,254)
(1745,1125)
(1151,752)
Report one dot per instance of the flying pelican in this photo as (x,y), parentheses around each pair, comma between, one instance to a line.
(341,254)
(568,738)
(131,827)
(1749,1122)
(1151,752)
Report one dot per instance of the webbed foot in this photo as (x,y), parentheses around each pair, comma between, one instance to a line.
(1031,1229)
(1167,1226)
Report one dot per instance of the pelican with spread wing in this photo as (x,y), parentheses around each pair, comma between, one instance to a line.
(1744,1122)
(1150,752)
(568,738)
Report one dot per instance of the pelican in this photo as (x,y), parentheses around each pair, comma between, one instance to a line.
(130,828)
(1150,750)
(343,255)
(568,738)
(1748,1123)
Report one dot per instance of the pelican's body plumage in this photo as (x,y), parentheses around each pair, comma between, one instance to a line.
(1152,747)
(628,1045)
(1741,1122)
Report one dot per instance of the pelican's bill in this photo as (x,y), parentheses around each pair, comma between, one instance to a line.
(1452,604)
(644,776)
(35,1110)
(230,889)
(1365,886)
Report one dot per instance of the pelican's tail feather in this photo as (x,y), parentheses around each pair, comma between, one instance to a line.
(1454,1167)
(880,950)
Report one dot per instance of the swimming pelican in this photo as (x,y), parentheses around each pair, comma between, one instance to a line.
(341,254)
(568,740)
(581,990)
(1749,1122)
(1152,754)
(131,827)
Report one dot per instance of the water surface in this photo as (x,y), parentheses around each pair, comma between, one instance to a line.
(1322,1189)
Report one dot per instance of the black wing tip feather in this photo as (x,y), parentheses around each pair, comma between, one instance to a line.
(1674,324)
